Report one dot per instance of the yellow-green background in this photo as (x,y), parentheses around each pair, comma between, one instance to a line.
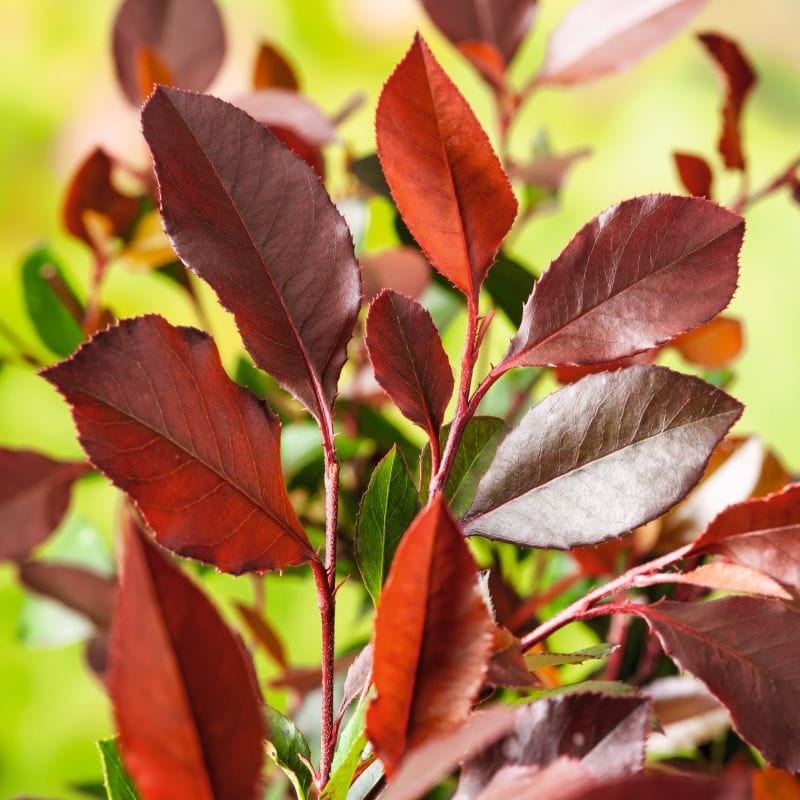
(58,98)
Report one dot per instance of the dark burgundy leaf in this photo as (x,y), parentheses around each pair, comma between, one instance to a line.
(695,174)
(432,639)
(445,178)
(403,269)
(254,221)
(633,278)
(761,533)
(186,36)
(747,651)
(739,79)
(606,734)
(184,694)
(199,454)
(581,466)
(598,37)
(272,70)
(409,359)
(501,23)
(34,495)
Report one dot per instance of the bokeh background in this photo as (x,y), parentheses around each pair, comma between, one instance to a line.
(58,98)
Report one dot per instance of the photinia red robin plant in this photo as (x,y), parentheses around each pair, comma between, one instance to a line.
(684,545)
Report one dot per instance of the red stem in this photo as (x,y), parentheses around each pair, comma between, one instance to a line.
(782,179)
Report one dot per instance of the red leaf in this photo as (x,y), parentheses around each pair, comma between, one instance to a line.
(254,221)
(272,70)
(747,651)
(598,37)
(92,190)
(727,577)
(185,700)
(264,634)
(695,174)
(409,360)
(739,79)
(714,344)
(570,373)
(150,72)
(633,278)
(200,455)
(488,61)
(186,36)
(432,639)
(403,269)
(761,533)
(775,784)
(501,23)
(34,495)
(445,178)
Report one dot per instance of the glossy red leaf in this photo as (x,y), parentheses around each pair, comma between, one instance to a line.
(409,359)
(432,639)
(272,70)
(501,23)
(92,191)
(714,344)
(446,180)
(598,37)
(185,36)
(581,466)
(253,220)
(695,174)
(747,651)
(633,278)
(739,79)
(184,694)
(606,734)
(199,454)
(762,533)
(403,269)
(34,495)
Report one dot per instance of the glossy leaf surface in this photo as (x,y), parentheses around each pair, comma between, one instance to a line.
(288,748)
(634,277)
(184,695)
(186,36)
(598,37)
(409,359)
(117,782)
(254,221)
(34,495)
(445,178)
(732,646)
(432,639)
(695,174)
(159,416)
(581,465)
(387,509)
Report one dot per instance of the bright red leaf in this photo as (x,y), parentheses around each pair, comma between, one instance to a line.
(695,174)
(184,693)
(253,220)
(445,178)
(199,454)
(272,70)
(633,278)
(432,639)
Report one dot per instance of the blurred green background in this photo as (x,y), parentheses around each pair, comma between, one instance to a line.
(58,98)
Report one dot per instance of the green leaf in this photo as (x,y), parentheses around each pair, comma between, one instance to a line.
(53,322)
(288,747)
(509,283)
(598,687)
(118,784)
(475,452)
(347,756)
(539,660)
(387,509)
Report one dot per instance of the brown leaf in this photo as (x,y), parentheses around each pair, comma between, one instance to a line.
(272,70)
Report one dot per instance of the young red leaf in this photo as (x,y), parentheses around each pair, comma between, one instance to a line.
(184,694)
(272,70)
(264,634)
(92,191)
(727,577)
(409,359)
(695,174)
(501,23)
(606,734)
(633,278)
(253,220)
(34,495)
(199,454)
(582,464)
(747,651)
(150,72)
(185,36)
(432,639)
(739,79)
(445,178)
(598,37)
(714,344)
(762,533)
